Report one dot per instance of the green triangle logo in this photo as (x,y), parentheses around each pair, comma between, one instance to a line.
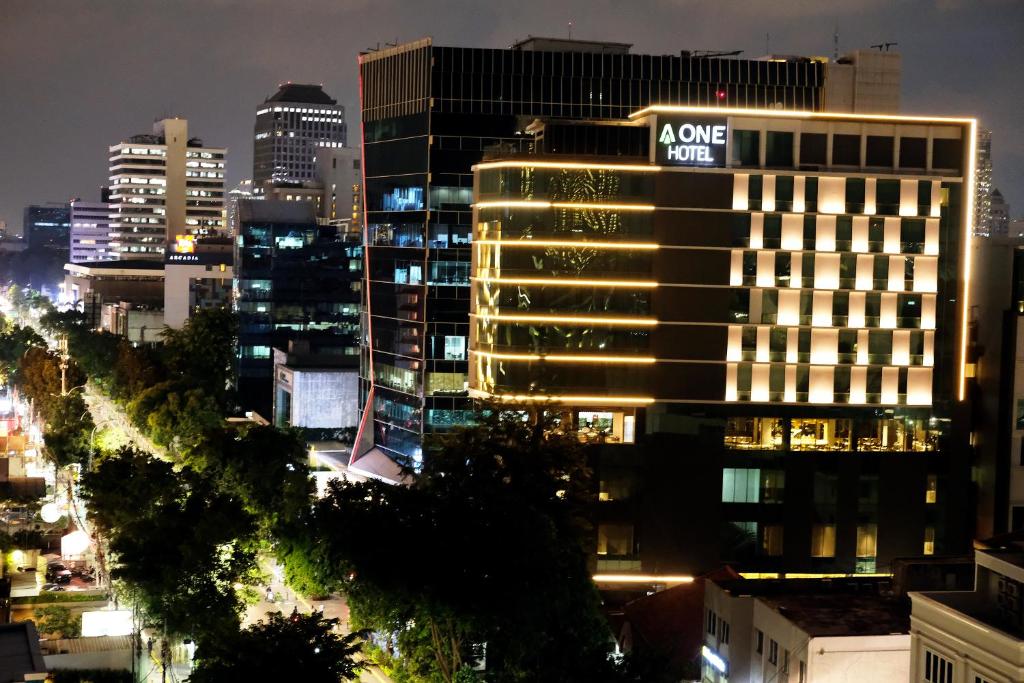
(667,137)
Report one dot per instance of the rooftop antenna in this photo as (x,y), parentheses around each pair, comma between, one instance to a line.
(570,30)
(835,43)
(883,47)
(767,43)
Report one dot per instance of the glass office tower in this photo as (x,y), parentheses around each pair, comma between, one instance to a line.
(760,319)
(428,114)
(294,280)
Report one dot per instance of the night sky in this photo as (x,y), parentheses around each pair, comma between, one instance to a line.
(79,75)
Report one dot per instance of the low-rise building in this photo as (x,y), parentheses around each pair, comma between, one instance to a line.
(315,391)
(973,636)
(804,630)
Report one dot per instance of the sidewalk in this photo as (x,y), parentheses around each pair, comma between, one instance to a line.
(286,600)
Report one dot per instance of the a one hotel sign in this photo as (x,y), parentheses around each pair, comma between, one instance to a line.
(687,141)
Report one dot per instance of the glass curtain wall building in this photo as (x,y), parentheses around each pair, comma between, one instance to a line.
(294,279)
(760,317)
(428,114)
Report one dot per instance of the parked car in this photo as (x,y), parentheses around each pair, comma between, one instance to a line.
(52,587)
(62,577)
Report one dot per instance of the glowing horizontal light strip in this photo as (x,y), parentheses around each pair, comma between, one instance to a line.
(603,400)
(613,207)
(792,114)
(568,165)
(567,358)
(536,204)
(567,282)
(568,244)
(573,320)
(642,578)
(788,575)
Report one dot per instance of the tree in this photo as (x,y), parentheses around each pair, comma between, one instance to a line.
(497,509)
(59,621)
(39,377)
(296,648)
(202,352)
(177,540)
(68,431)
(14,341)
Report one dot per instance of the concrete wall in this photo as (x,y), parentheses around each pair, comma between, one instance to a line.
(321,398)
(178,279)
(854,659)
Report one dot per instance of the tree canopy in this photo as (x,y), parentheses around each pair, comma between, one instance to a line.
(484,549)
(294,648)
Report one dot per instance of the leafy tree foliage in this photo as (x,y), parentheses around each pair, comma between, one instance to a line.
(58,620)
(202,352)
(180,542)
(68,431)
(295,648)
(492,526)
(14,341)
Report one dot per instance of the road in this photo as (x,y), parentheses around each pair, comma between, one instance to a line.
(106,412)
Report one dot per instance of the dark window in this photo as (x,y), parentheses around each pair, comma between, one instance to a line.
(758,641)
(879,151)
(846,150)
(913,152)
(813,148)
(887,197)
(854,195)
(912,235)
(755,191)
(779,150)
(947,153)
(784,193)
(811,195)
(772,231)
(745,145)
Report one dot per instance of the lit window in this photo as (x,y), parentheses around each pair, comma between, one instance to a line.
(929,540)
(615,539)
(823,540)
(931,489)
(867,540)
(771,541)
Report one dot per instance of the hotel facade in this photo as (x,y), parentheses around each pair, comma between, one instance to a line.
(758,316)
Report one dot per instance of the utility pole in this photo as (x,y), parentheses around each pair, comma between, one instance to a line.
(62,346)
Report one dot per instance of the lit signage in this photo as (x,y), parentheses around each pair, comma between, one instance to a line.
(687,141)
(184,244)
(712,658)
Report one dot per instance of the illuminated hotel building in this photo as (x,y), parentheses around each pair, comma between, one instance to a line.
(161,186)
(428,114)
(758,315)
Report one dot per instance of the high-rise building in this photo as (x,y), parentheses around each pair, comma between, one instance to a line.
(295,279)
(760,318)
(340,172)
(999,214)
(428,114)
(292,126)
(243,190)
(983,185)
(47,225)
(161,186)
(90,230)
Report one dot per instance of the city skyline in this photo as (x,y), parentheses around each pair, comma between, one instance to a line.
(217,87)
